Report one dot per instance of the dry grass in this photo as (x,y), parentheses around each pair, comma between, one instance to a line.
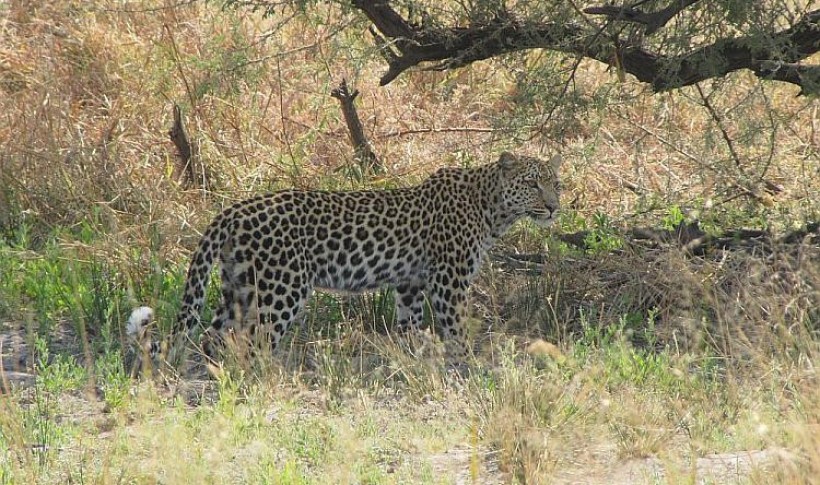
(716,300)
(660,356)
(652,366)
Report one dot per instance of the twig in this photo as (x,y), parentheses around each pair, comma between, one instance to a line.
(768,185)
(178,65)
(455,129)
(285,135)
(725,134)
(732,182)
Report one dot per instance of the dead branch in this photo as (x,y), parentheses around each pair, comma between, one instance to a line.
(408,45)
(689,238)
(185,169)
(361,146)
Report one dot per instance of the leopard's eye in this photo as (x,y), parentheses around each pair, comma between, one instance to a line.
(532,183)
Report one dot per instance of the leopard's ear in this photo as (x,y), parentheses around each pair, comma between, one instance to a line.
(508,161)
(555,162)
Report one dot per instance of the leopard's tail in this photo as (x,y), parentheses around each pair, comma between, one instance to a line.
(199,274)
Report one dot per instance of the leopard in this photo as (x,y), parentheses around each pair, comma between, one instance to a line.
(426,242)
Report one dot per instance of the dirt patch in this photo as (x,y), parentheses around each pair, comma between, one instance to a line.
(468,466)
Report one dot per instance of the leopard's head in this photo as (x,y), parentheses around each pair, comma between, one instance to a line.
(530,187)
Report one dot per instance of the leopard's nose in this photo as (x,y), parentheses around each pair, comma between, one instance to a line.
(552,208)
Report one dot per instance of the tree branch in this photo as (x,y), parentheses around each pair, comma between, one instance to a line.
(653,20)
(188,158)
(361,147)
(448,48)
